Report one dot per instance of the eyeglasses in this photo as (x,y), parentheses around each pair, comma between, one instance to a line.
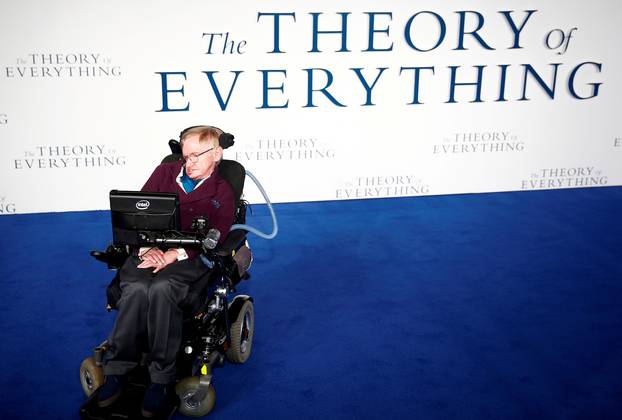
(193,157)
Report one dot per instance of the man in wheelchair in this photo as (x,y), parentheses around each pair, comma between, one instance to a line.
(160,283)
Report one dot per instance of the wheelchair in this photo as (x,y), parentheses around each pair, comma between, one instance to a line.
(215,330)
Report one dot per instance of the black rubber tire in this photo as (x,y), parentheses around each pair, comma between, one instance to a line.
(91,376)
(242,330)
(187,387)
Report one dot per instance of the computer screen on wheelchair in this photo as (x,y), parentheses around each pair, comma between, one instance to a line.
(138,217)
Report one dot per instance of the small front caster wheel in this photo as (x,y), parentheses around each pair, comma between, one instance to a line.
(91,376)
(190,407)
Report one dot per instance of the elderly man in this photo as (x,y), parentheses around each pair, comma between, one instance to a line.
(157,283)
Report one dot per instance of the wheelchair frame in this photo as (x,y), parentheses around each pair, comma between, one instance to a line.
(207,336)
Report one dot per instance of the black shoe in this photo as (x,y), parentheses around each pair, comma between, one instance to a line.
(155,397)
(111,390)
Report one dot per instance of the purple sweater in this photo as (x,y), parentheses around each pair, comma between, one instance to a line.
(213,198)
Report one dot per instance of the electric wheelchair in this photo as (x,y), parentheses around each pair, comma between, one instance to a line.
(215,329)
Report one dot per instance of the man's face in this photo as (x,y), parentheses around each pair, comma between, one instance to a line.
(205,163)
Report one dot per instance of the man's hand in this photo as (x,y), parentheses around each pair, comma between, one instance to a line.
(155,257)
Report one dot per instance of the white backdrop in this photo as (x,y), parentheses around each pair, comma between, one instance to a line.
(91,91)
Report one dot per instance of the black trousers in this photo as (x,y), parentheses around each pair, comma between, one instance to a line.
(151,312)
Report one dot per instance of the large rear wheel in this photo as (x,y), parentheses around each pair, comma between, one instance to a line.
(242,330)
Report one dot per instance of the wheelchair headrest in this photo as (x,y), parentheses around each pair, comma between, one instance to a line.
(175,146)
(225,140)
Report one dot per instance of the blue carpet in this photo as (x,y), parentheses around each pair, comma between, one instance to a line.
(489,306)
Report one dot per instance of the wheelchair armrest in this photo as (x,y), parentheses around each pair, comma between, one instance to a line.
(113,257)
(233,241)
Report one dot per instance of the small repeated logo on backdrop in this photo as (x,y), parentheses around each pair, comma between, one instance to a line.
(69,156)
(6,206)
(4,119)
(61,65)
(572,177)
(471,142)
(285,149)
(617,142)
(376,186)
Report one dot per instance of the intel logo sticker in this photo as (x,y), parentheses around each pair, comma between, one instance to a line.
(142,205)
